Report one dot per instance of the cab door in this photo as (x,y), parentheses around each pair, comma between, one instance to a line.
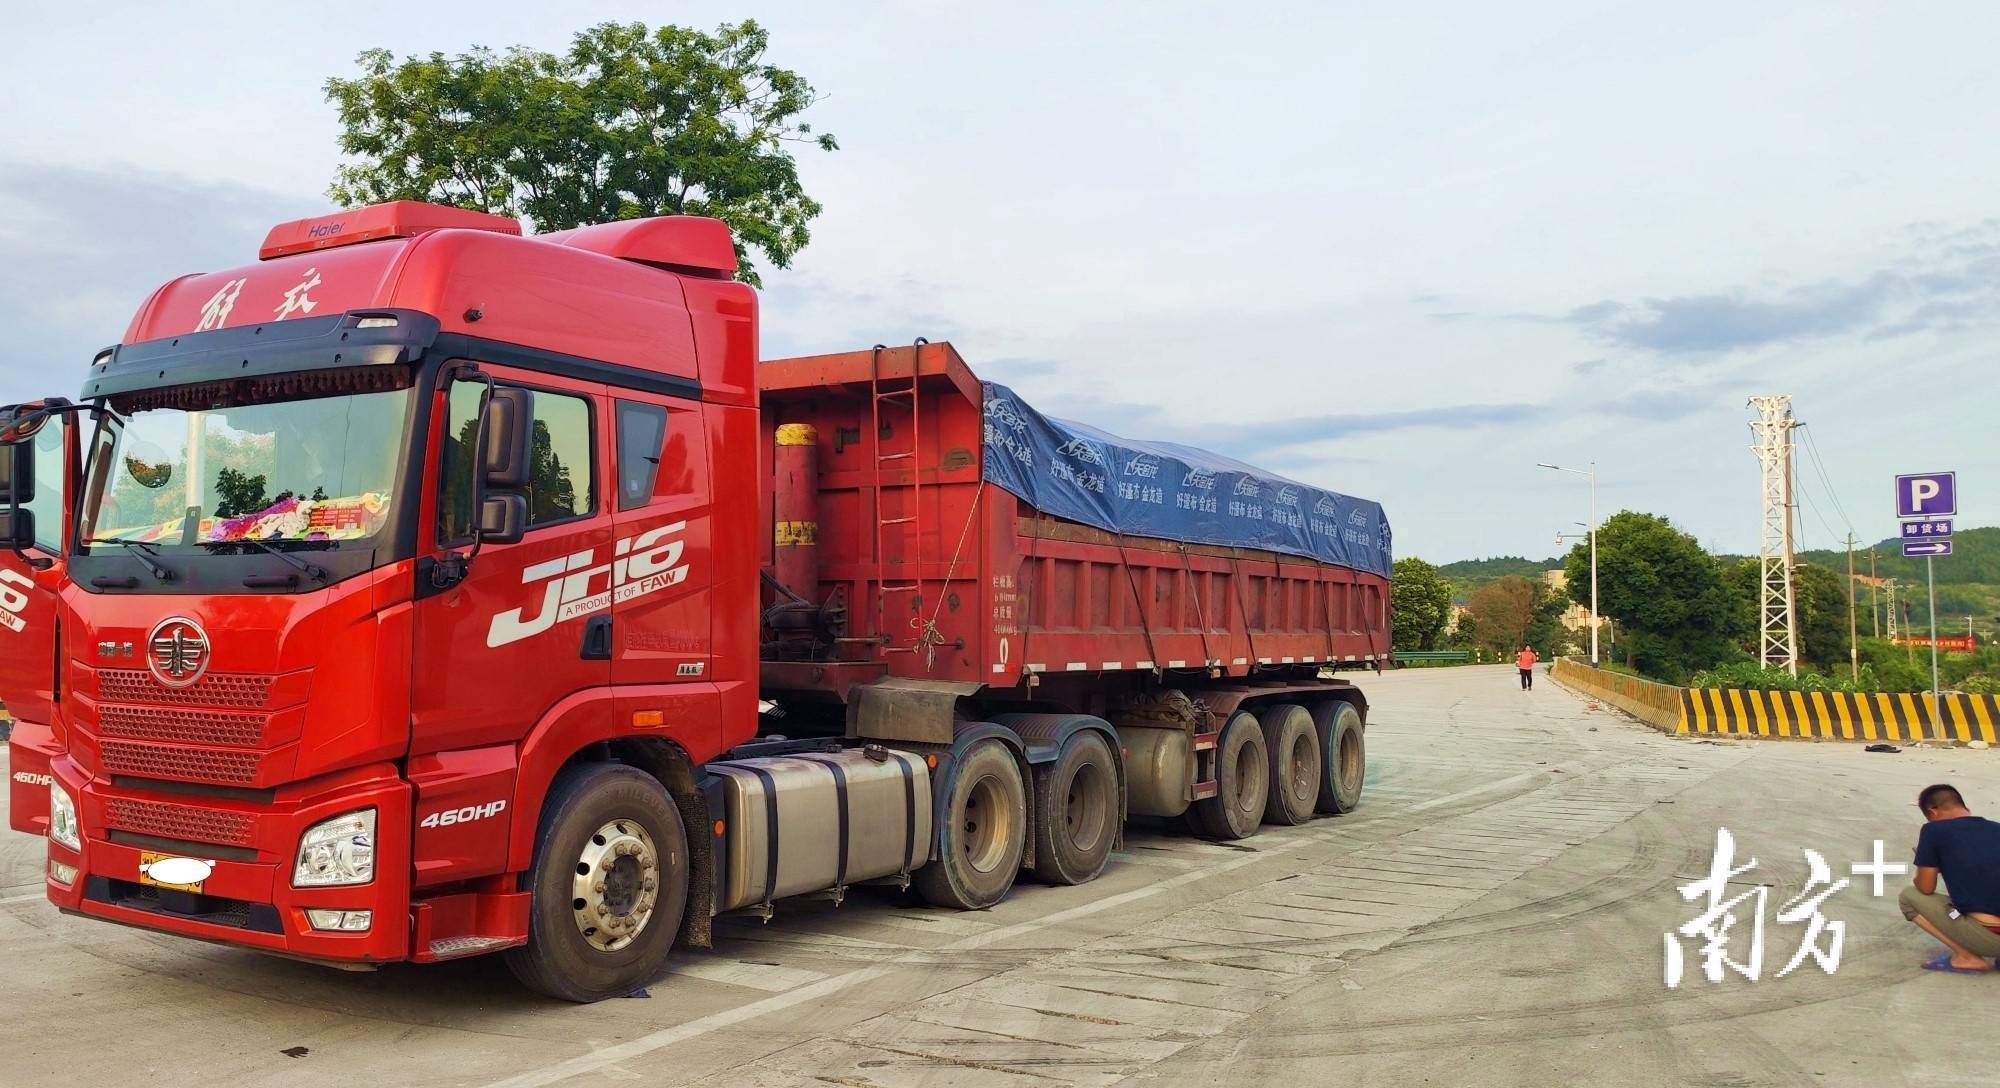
(663,651)
(30,630)
(528,627)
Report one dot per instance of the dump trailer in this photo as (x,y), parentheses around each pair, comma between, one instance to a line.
(426,590)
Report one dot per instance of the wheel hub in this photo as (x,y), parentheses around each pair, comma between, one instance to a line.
(617,882)
(989,813)
(1084,808)
(1350,762)
(1304,782)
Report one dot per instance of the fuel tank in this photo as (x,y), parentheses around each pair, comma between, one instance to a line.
(806,823)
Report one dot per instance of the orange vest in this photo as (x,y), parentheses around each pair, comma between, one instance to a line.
(1526,659)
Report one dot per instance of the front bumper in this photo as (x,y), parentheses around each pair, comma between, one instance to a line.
(250,842)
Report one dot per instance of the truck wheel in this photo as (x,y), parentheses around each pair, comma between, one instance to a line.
(1076,811)
(983,832)
(609,885)
(1242,781)
(1295,763)
(1343,755)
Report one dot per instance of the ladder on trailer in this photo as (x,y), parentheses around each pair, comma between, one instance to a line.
(894,394)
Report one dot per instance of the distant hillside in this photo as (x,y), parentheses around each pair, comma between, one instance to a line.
(1974,560)
(1968,581)
(1467,575)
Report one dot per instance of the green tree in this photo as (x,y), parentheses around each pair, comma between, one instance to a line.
(238,493)
(1501,612)
(1419,605)
(1822,600)
(1511,610)
(629,122)
(551,493)
(1821,596)
(1546,632)
(1674,609)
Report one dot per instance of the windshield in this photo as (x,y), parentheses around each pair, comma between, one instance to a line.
(312,473)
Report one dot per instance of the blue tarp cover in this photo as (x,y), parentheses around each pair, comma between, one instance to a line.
(1172,492)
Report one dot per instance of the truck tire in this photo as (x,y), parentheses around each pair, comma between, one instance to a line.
(1076,810)
(609,885)
(1242,783)
(1343,755)
(983,829)
(1295,763)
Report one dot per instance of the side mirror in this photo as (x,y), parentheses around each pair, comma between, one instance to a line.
(17,470)
(503,518)
(504,458)
(17,528)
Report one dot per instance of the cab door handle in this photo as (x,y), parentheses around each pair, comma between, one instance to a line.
(596,639)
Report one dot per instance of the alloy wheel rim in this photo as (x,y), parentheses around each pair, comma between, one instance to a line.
(616,885)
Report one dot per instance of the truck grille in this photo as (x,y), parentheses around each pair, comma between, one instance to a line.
(215,689)
(196,726)
(188,764)
(177,822)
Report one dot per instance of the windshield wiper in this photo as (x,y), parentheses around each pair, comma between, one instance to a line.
(300,565)
(140,550)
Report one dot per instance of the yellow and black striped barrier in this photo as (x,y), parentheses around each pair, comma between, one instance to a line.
(1801,715)
(1838,715)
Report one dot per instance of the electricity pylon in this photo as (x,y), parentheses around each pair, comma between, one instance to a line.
(1777,603)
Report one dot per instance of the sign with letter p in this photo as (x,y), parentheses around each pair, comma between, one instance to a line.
(1927,495)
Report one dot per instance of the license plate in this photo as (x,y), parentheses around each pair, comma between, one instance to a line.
(170,871)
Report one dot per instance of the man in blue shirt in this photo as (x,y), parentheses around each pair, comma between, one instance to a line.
(1965,850)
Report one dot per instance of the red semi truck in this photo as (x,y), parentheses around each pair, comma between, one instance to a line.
(426,590)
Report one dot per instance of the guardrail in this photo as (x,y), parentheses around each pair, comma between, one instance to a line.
(1658,705)
(1432,657)
(1800,715)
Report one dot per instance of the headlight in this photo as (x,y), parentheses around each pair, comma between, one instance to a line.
(337,851)
(62,819)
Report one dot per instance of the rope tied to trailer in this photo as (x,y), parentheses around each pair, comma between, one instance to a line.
(929,638)
(1209,660)
(1243,606)
(1145,625)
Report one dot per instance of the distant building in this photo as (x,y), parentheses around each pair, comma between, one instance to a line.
(1576,617)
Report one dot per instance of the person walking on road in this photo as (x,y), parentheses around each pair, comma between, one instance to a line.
(1965,850)
(1525,660)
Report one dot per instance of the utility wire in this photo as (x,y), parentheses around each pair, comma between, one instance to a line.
(1819,465)
(1830,531)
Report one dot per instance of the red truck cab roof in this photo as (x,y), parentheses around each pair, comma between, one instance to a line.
(656,293)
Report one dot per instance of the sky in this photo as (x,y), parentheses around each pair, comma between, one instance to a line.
(1404,251)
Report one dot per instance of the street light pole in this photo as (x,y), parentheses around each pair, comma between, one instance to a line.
(1589,474)
(1593,564)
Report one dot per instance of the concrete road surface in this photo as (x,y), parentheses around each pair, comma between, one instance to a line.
(1494,915)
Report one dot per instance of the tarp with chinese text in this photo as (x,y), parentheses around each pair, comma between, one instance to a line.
(1172,492)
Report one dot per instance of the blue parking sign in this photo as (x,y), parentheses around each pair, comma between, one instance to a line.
(1927,495)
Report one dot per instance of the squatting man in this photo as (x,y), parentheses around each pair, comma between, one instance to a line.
(1965,850)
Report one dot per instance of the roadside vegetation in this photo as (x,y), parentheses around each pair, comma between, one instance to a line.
(1681,615)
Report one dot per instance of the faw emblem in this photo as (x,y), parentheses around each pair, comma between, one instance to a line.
(640,565)
(177,650)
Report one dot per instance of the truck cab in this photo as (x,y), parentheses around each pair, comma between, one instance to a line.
(372,540)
